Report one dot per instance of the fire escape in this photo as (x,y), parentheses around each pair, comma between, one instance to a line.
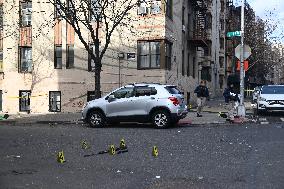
(198,34)
(230,26)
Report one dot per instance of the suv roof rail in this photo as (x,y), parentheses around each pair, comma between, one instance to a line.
(146,83)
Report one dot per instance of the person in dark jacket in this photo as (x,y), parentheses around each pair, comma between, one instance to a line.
(202,93)
(227,94)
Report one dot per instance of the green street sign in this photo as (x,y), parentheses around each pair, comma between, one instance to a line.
(234,33)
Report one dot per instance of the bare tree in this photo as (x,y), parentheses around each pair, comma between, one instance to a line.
(91,15)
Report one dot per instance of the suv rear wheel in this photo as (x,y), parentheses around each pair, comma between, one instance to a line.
(96,119)
(161,119)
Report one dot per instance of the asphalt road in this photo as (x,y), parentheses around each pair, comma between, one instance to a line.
(235,156)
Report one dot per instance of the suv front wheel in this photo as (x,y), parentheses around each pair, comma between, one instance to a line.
(96,119)
(161,119)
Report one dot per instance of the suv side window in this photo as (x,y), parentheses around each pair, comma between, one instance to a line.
(145,91)
(172,90)
(126,92)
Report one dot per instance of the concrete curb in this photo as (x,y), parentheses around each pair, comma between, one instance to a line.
(14,122)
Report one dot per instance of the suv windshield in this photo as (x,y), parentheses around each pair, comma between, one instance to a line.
(172,90)
(273,90)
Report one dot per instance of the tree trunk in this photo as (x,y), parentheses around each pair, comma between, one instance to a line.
(98,63)
(97,80)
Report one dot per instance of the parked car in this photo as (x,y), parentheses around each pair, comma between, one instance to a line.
(255,94)
(271,98)
(162,105)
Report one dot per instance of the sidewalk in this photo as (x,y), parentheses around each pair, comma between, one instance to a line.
(211,113)
(52,118)
(210,116)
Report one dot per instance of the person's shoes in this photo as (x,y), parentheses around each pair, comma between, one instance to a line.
(198,115)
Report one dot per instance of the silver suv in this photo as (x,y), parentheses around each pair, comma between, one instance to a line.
(162,105)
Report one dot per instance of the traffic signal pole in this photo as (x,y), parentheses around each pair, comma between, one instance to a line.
(241,108)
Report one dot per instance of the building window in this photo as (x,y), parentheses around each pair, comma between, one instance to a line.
(156,7)
(57,8)
(221,43)
(183,10)
(142,8)
(168,49)
(193,67)
(221,62)
(54,101)
(149,54)
(188,65)
(208,23)
(169,8)
(222,24)
(91,63)
(206,73)
(24,101)
(26,13)
(207,50)
(1,62)
(70,56)
(96,10)
(182,63)
(90,95)
(58,56)
(222,5)
(25,59)
(1,16)
(1,100)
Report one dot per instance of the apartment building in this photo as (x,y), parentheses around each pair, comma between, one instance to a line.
(45,67)
(213,65)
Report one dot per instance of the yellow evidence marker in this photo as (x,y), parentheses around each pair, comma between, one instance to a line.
(122,144)
(155,151)
(84,145)
(111,150)
(60,157)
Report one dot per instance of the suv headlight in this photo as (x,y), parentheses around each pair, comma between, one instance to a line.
(262,99)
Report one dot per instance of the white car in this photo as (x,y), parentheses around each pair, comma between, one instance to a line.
(271,98)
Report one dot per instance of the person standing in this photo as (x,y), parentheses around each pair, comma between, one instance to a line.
(227,92)
(202,94)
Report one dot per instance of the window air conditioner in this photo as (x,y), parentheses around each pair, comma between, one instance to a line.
(142,10)
(27,11)
(183,28)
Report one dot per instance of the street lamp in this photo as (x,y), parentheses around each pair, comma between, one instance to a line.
(241,108)
(120,57)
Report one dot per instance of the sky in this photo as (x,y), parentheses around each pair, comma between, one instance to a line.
(263,8)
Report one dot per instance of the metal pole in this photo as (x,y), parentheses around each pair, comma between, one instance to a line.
(241,107)
(225,45)
(215,58)
(119,80)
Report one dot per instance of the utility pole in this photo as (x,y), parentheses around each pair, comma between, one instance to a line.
(225,45)
(241,107)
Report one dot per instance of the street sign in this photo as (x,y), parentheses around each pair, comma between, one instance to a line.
(247,51)
(234,33)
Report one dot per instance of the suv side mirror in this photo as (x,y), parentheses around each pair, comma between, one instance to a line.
(111,98)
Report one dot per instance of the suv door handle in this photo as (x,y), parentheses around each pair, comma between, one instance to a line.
(152,98)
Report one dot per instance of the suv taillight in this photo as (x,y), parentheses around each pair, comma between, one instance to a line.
(174,100)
